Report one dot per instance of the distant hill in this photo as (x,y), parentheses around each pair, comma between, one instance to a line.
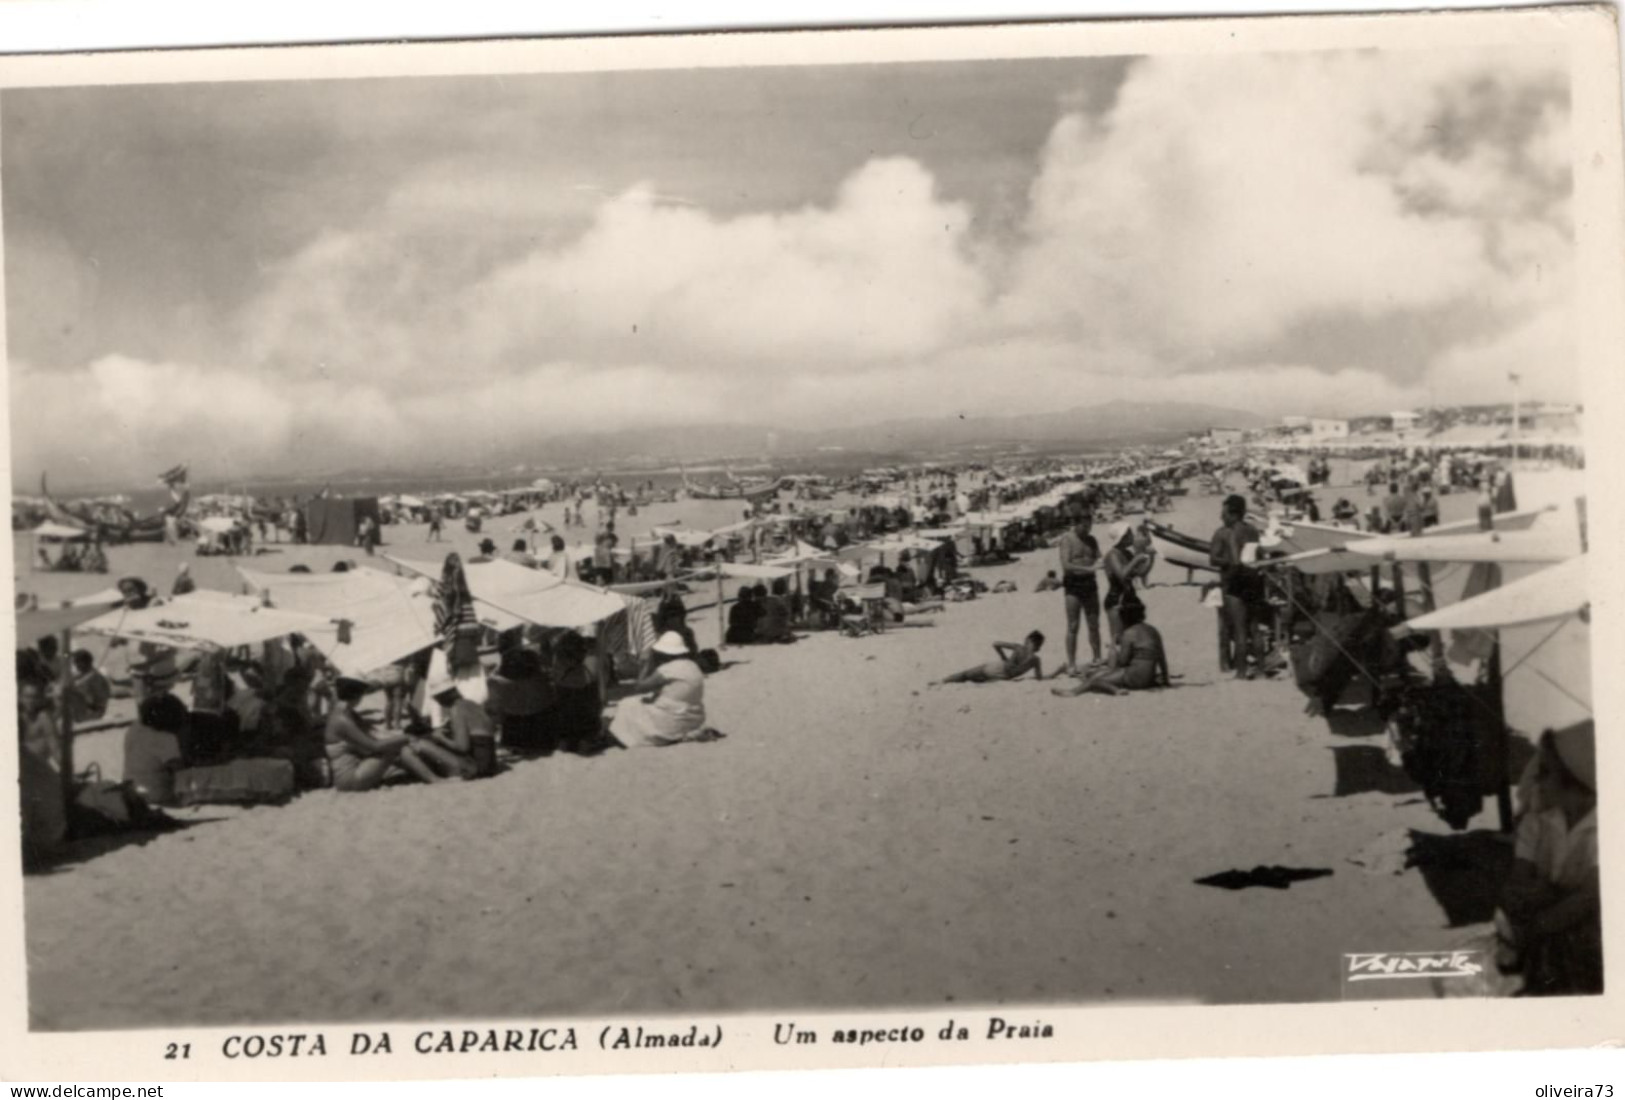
(1114,424)
(1085,428)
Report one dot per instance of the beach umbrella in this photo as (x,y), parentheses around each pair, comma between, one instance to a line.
(1547,596)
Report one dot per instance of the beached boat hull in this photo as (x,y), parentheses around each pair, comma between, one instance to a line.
(1177,548)
(1297,537)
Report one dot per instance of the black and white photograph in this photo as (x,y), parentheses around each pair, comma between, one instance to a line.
(806,534)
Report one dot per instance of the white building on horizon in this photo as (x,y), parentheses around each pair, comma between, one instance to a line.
(1321,427)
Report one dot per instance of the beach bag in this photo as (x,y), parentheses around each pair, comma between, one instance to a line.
(101,807)
(247,782)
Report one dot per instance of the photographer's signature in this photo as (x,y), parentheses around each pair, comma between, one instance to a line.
(1383,965)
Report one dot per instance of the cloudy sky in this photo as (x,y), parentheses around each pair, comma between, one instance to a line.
(262,277)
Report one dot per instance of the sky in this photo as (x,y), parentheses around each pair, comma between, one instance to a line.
(275,277)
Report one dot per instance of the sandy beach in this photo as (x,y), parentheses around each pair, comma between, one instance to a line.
(859,839)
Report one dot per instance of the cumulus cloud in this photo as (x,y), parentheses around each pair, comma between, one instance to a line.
(1219,205)
(1294,233)
(879,275)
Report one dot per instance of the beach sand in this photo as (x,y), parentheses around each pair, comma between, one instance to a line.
(857,840)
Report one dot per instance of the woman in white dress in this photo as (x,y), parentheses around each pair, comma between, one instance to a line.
(672,710)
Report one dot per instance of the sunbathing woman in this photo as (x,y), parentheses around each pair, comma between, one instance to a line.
(359,760)
(1014,662)
(1140,663)
(1124,564)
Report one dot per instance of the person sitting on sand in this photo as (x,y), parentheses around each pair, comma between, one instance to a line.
(1015,660)
(154,747)
(359,760)
(673,711)
(558,562)
(1049,584)
(1550,922)
(774,625)
(742,618)
(1140,663)
(823,599)
(466,745)
(575,722)
(90,690)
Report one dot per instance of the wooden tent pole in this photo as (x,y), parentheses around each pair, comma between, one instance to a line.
(722,626)
(602,653)
(65,728)
(1503,784)
(1424,577)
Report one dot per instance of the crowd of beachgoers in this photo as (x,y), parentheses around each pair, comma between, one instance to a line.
(494,682)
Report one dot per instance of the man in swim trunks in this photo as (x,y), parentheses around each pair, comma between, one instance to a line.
(1014,662)
(1239,584)
(1080,560)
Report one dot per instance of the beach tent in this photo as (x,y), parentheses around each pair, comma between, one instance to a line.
(388,617)
(335,521)
(685,536)
(203,620)
(1548,596)
(54,619)
(1302,537)
(53,534)
(532,595)
(768,571)
(59,532)
(1534,547)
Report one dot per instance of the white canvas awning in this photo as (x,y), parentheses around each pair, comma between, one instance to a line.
(204,620)
(390,617)
(530,595)
(1542,597)
(746,571)
(685,536)
(52,530)
(1507,548)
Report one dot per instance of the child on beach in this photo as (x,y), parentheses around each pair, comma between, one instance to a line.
(1014,662)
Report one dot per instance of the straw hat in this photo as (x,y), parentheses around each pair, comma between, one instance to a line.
(671,644)
(1576,746)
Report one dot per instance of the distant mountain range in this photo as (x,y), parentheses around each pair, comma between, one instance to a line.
(1104,427)
(1114,424)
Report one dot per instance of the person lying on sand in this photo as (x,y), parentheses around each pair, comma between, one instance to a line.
(1015,660)
(1140,663)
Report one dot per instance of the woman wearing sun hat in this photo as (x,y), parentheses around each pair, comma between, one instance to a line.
(1551,920)
(673,711)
